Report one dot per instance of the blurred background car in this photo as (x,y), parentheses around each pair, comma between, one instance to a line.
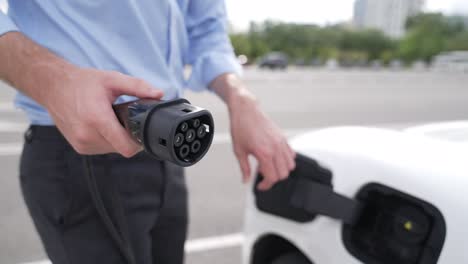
(273,61)
(454,61)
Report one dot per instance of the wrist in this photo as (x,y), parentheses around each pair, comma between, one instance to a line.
(241,99)
(233,92)
(54,77)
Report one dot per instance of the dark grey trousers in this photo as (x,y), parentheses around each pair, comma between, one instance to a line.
(146,199)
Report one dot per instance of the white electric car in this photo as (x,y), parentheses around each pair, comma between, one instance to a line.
(366,195)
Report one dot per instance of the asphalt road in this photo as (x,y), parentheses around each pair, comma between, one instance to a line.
(298,100)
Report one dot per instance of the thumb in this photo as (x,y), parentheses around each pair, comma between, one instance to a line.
(122,84)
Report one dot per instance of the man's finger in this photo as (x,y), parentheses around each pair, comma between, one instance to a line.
(291,151)
(124,84)
(116,135)
(101,147)
(291,157)
(281,164)
(265,185)
(268,171)
(245,167)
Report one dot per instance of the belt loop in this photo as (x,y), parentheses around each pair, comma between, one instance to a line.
(28,135)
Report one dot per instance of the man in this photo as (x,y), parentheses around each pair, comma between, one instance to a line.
(70,61)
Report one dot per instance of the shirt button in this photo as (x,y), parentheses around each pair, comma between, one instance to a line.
(28,135)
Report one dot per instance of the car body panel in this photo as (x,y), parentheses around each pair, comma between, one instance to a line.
(455,131)
(430,169)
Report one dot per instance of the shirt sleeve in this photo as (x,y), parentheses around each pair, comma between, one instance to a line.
(6,24)
(210,50)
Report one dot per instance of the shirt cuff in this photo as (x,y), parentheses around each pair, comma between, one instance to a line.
(6,24)
(210,66)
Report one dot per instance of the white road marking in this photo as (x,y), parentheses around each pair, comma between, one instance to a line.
(212,243)
(198,245)
(10,149)
(8,107)
(12,127)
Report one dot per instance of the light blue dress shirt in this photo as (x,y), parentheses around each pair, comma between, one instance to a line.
(149,39)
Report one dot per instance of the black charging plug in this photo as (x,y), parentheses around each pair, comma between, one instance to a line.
(174,130)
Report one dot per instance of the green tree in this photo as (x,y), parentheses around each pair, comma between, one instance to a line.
(458,42)
(372,42)
(428,35)
(421,44)
(241,44)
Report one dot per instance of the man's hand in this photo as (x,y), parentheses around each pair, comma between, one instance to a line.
(82,109)
(253,133)
(79,100)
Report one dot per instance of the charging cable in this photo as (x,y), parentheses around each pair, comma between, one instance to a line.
(124,246)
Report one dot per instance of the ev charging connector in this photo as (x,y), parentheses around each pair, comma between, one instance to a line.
(174,130)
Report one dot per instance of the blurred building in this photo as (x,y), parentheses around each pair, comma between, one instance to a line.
(388,16)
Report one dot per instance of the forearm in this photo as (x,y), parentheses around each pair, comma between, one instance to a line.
(230,88)
(30,68)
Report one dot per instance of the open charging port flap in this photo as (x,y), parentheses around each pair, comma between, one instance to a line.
(395,227)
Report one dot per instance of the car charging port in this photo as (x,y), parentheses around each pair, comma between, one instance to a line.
(394,227)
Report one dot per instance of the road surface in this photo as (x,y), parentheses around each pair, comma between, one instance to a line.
(298,100)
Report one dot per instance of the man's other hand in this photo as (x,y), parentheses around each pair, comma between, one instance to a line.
(253,133)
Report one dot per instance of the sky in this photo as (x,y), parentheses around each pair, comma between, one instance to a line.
(322,12)
(241,12)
